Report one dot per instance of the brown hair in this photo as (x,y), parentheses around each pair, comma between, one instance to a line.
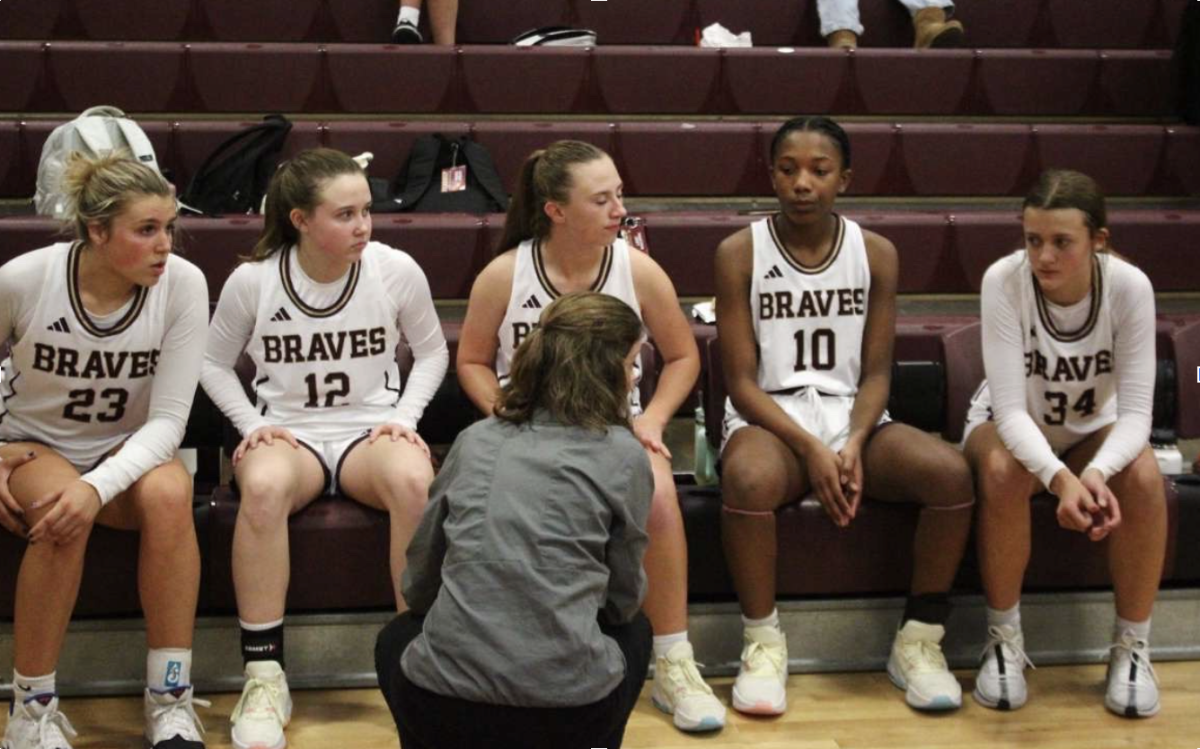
(298,183)
(573,364)
(545,176)
(1065,188)
(99,188)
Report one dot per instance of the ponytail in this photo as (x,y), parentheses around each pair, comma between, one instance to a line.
(545,176)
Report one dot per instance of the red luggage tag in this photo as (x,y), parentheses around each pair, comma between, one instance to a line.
(633,229)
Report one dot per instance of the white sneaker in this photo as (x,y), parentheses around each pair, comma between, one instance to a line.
(918,667)
(36,723)
(761,685)
(171,720)
(1132,684)
(264,709)
(1001,681)
(680,691)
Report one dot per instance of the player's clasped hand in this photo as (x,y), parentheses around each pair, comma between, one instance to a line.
(75,507)
(1086,505)
(12,516)
(398,432)
(263,436)
(825,474)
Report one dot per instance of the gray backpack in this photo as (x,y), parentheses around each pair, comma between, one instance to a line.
(97,131)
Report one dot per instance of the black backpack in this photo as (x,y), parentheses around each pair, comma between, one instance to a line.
(233,179)
(418,187)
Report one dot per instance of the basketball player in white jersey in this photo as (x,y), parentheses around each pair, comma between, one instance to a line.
(1068,349)
(806,318)
(105,336)
(561,235)
(319,308)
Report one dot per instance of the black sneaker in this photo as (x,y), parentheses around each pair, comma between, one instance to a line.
(406,33)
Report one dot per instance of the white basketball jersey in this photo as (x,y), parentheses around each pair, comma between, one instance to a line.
(71,378)
(1070,385)
(328,371)
(809,321)
(532,291)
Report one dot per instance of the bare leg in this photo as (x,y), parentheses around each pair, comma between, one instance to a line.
(274,481)
(443,19)
(666,555)
(393,477)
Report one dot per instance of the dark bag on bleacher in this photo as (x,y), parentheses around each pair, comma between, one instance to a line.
(233,179)
(419,187)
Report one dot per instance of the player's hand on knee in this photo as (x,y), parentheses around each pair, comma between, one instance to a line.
(650,434)
(12,516)
(1076,504)
(399,432)
(263,436)
(825,474)
(74,510)
(1108,515)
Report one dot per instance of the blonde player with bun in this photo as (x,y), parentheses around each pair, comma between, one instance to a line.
(106,334)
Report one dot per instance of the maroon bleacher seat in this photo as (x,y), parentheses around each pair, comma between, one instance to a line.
(966,159)
(1182,158)
(658,22)
(1045,81)
(1137,83)
(894,81)
(963,349)
(1123,160)
(134,76)
(510,143)
(450,248)
(1012,23)
(29,19)
(276,78)
(1186,340)
(364,21)
(1113,23)
(11,172)
(23,64)
(259,21)
(766,80)
(376,78)
(886,24)
(523,79)
(684,158)
(485,23)
(391,142)
(691,87)
(134,20)
(928,257)
(770,22)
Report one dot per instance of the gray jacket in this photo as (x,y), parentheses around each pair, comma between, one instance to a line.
(530,533)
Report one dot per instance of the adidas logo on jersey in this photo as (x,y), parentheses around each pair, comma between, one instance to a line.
(60,326)
(532,303)
(281,316)
(774,273)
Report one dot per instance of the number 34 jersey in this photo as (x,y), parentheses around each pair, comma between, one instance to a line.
(809,321)
(75,381)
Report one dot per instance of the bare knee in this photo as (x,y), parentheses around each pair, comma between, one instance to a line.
(752,486)
(404,489)
(946,483)
(1140,484)
(265,501)
(1002,480)
(164,497)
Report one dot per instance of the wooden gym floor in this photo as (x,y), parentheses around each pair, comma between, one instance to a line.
(826,711)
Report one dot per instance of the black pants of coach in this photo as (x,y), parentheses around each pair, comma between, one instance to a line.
(432,721)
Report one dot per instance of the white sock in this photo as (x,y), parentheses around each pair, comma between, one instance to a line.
(1140,630)
(1001,617)
(260,627)
(168,668)
(663,643)
(25,687)
(770,620)
(412,15)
